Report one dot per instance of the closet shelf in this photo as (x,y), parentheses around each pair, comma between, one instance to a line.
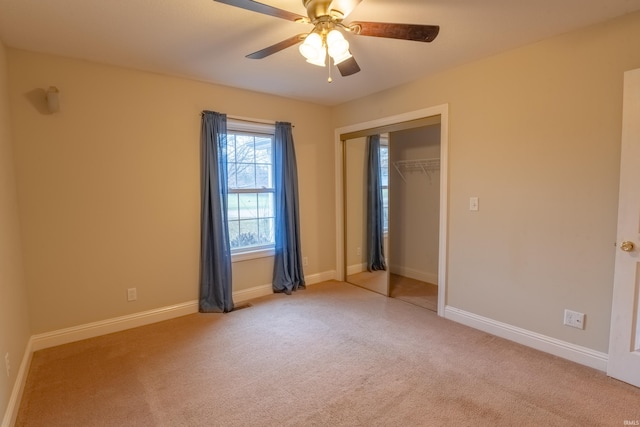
(426,166)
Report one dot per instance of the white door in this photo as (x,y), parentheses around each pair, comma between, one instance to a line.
(624,341)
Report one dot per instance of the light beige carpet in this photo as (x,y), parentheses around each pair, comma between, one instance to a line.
(331,355)
(413,291)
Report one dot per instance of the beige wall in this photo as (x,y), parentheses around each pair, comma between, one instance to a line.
(110,186)
(14,313)
(535,134)
(414,205)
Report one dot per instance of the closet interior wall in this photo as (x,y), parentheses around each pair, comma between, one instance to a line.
(414,203)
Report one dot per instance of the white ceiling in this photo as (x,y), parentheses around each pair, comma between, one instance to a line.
(206,40)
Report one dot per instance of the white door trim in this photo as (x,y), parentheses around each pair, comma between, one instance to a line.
(443,112)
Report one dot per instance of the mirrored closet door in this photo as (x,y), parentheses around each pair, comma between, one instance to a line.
(408,182)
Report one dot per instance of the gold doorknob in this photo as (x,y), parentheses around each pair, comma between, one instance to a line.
(627,246)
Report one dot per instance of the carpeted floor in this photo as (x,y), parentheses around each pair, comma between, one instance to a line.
(331,355)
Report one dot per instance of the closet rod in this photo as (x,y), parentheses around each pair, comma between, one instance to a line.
(425,165)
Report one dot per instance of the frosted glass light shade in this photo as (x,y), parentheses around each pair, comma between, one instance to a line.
(341,58)
(336,43)
(320,60)
(311,46)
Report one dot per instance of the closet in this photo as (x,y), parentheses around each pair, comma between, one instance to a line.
(414,214)
(410,167)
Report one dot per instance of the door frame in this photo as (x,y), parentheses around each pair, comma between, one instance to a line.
(438,110)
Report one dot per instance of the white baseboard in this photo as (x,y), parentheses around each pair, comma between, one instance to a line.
(117,324)
(108,326)
(251,293)
(263,290)
(11,413)
(356,268)
(320,277)
(575,353)
(414,274)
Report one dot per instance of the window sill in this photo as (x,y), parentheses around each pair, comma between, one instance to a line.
(252,254)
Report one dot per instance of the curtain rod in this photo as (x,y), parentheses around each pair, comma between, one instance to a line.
(250,120)
(247,119)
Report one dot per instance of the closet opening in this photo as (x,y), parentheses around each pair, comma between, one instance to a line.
(413,190)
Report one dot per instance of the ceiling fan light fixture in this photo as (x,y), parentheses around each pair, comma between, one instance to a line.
(312,46)
(336,43)
(338,59)
(327,38)
(320,61)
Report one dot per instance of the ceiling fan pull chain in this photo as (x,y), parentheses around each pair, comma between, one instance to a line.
(329,79)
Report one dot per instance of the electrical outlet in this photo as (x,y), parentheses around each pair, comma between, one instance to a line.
(305,261)
(7,363)
(132,294)
(574,319)
(358,251)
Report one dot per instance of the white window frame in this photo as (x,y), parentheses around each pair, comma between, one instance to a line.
(233,126)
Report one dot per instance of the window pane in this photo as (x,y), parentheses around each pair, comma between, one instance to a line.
(265,205)
(249,232)
(248,205)
(234,231)
(264,176)
(245,152)
(231,148)
(263,150)
(384,165)
(232,206)
(246,175)
(231,175)
(385,208)
(266,231)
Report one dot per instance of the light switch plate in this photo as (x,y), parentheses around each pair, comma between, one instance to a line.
(473,204)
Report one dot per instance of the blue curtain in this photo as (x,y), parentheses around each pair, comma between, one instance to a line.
(215,251)
(287,269)
(375,220)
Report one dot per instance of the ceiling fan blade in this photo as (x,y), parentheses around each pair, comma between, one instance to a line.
(263,53)
(254,6)
(344,6)
(414,32)
(348,67)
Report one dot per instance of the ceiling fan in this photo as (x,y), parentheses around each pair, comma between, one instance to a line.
(326,16)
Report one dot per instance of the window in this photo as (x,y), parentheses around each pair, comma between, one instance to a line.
(384,181)
(251,205)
